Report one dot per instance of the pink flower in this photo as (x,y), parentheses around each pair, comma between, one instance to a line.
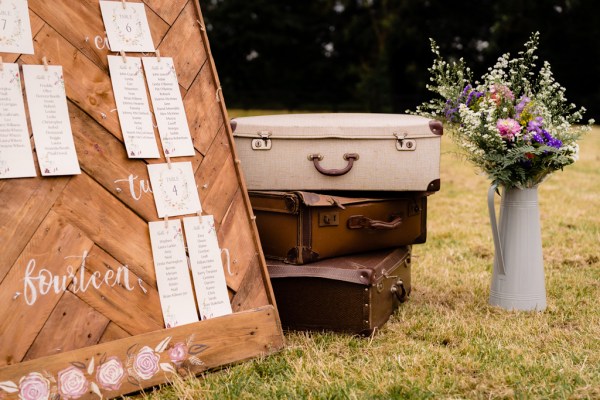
(178,353)
(508,128)
(110,374)
(146,363)
(34,387)
(500,92)
(72,383)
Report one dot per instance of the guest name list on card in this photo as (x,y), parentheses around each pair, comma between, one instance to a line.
(172,276)
(168,106)
(49,115)
(207,267)
(16,158)
(129,88)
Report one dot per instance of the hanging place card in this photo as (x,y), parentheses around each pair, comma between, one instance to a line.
(172,275)
(16,158)
(126,26)
(168,106)
(47,103)
(15,27)
(207,267)
(174,189)
(133,108)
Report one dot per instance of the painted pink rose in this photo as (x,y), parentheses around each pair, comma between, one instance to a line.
(178,353)
(110,374)
(72,383)
(145,364)
(34,386)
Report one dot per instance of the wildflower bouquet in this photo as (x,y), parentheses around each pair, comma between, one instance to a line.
(515,125)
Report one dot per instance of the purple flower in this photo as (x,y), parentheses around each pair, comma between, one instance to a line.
(508,128)
(523,101)
(473,95)
(466,97)
(550,140)
(540,135)
(535,125)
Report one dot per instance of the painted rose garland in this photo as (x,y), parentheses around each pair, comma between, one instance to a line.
(109,374)
(515,124)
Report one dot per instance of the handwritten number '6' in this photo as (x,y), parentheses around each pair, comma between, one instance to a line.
(128,28)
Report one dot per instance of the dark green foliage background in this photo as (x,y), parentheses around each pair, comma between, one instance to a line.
(275,53)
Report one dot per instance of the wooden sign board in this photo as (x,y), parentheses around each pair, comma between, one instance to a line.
(80,315)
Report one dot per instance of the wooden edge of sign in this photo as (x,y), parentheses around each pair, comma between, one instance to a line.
(137,362)
(238,169)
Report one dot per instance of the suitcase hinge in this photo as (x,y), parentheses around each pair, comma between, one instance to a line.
(404,144)
(264,143)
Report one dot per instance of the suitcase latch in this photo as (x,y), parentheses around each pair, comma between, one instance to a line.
(264,143)
(329,218)
(404,144)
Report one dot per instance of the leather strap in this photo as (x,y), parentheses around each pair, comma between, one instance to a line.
(362,222)
(360,276)
(350,157)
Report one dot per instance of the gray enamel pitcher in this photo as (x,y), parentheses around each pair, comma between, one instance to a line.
(518,275)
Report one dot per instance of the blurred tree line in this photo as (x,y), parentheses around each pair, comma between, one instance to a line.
(373,55)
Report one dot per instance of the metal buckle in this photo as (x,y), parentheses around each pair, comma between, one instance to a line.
(404,144)
(264,143)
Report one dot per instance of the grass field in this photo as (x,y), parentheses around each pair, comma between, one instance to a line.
(446,342)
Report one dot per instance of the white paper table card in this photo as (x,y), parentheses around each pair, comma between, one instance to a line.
(168,107)
(49,115)
(16,157)
(172,274)
(207,267)
(174,189)
(15,27)
(127,27)
(133,107)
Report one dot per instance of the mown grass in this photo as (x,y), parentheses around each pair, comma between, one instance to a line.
(446,342)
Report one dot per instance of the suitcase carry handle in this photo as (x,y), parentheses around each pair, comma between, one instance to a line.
(362,222)
(350,157)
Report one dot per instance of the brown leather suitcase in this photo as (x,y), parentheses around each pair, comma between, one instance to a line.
(303,227)
(355,293)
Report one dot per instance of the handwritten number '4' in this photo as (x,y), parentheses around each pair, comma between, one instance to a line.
(175,189)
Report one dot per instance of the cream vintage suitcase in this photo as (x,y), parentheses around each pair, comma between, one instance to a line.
(371,152)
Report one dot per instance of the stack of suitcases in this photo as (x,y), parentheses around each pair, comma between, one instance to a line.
(339,199)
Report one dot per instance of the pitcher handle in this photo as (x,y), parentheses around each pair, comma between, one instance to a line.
(495,233)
